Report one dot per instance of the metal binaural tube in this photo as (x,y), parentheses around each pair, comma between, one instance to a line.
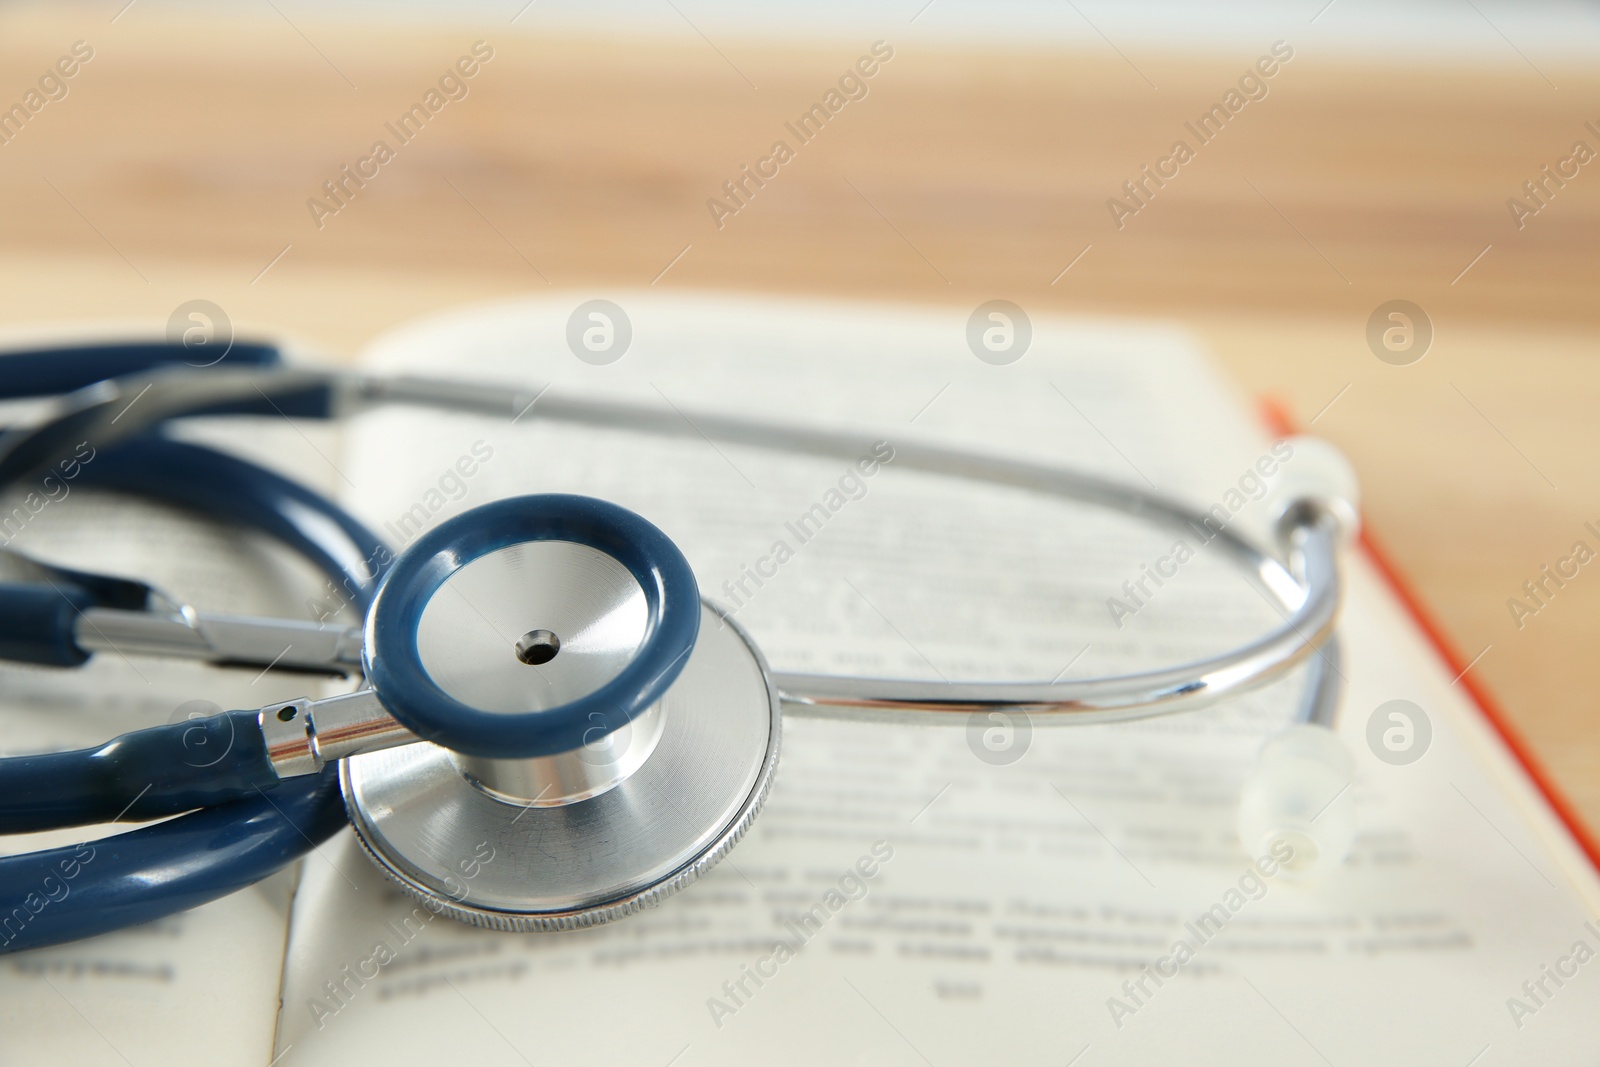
(1307,588)
(1109,699)
(238,640)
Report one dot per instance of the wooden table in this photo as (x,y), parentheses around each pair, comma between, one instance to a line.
(180,163)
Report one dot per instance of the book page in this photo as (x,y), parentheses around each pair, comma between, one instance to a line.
(200,987)
(947,895)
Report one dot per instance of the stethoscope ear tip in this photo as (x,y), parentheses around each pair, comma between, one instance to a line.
(1295,810)
(1317,475)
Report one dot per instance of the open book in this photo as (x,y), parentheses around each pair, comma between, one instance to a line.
(937,895)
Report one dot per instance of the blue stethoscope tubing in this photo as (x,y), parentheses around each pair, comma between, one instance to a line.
(249,824)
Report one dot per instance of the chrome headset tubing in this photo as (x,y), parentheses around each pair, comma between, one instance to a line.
(1305,589)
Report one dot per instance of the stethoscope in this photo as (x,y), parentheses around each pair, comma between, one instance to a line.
(542,682)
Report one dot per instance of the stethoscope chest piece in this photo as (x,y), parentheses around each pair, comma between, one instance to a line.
(603,736)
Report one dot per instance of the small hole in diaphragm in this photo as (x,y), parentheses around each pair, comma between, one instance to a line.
(537,647)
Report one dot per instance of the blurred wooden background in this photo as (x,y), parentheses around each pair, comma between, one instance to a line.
(179,164)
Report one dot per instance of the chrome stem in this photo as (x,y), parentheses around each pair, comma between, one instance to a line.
(234,640)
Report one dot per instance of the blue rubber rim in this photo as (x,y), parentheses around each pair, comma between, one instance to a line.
(394,663)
